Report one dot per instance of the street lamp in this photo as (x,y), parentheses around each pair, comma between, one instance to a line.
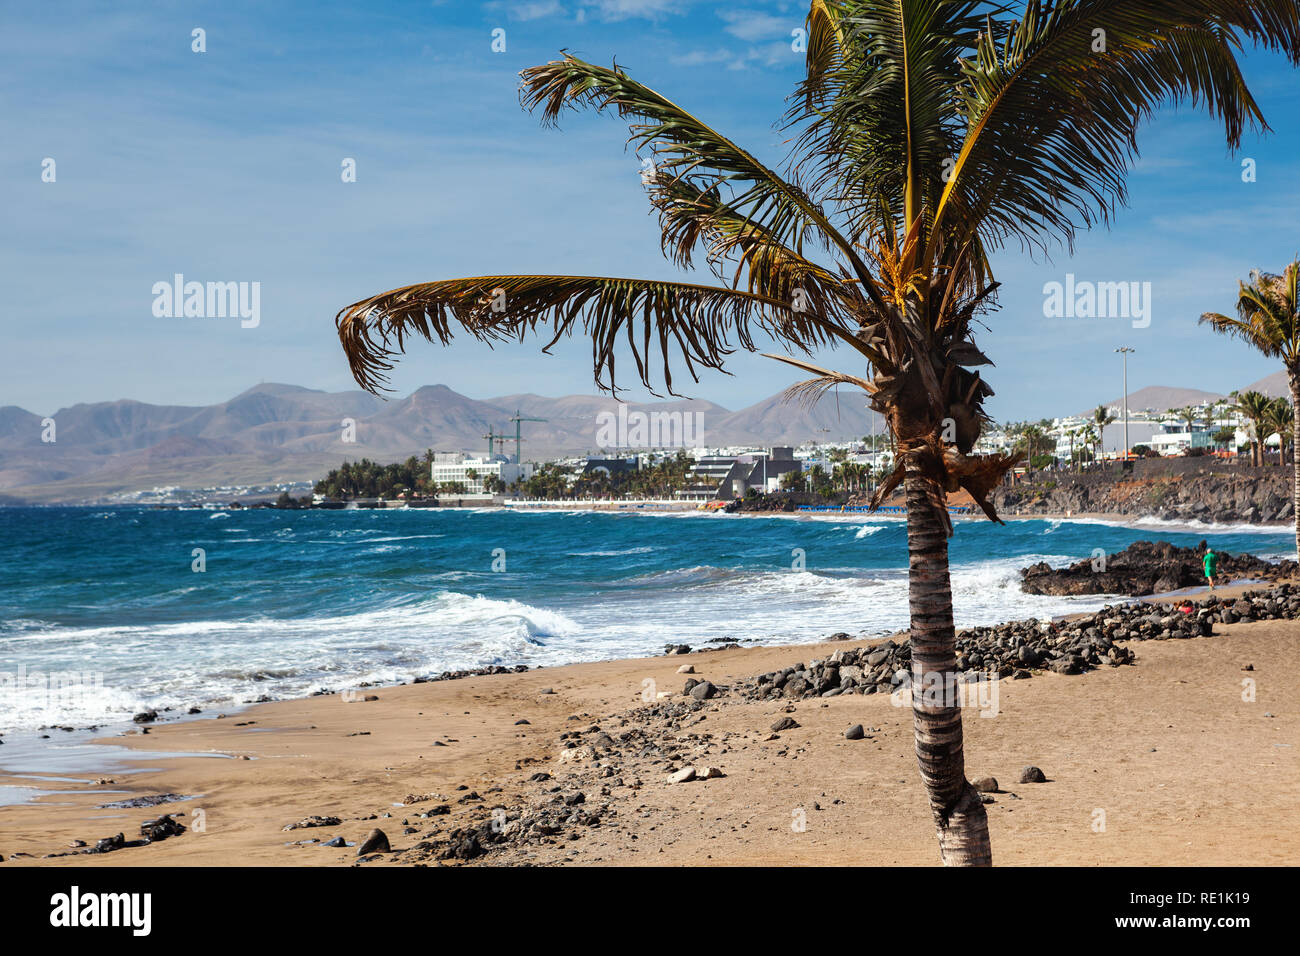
(1124,350)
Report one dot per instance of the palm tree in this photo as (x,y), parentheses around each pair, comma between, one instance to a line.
(1102,417)
(1254,406)
(1268,319)
(925,134)
(1090,439)
(1279,420)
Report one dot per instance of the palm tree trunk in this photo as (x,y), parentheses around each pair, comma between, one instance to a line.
(1293,378)
(959,817)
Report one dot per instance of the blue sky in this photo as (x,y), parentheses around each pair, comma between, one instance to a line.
(225,166)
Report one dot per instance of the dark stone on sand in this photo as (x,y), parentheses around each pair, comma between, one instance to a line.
(522,721)
(784,723)
(1032,775)
(338,841)
(854,733)
(986,785)
(314,821)
(375,842)
(135,803)
(703,690)
(109,844)
(463,845)
(160,829)
(146,716)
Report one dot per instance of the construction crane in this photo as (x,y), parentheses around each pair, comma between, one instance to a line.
(519,441)
(499,437)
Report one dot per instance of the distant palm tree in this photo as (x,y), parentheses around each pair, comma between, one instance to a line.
(1279,420)
(1254,406)
(1224,436)
(1102,417)
(926,134)
(1268,319)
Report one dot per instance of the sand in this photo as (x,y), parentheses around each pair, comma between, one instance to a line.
(1183,770)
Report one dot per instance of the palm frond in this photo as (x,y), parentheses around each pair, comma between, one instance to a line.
(682,145)
(811,391)
(1052,124)
(653,320)
(1268,314)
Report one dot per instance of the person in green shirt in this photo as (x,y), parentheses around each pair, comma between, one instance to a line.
(1211,566)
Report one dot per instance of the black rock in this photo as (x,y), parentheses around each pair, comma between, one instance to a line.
(108,844)
(376,842)
(464,845)
(854,733)
(146,717)
(784,723)
(1032,775)
(160,829)
(703,690)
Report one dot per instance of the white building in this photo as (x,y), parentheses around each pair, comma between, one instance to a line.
(449,467)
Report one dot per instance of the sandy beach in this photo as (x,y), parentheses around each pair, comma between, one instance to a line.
(1162,763)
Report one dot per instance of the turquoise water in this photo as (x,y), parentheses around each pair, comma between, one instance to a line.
(290,602)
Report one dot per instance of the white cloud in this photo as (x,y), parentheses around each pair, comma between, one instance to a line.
(627,9)
(754,25)
(527,10)
(701,57)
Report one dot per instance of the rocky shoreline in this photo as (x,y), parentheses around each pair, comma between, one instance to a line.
(1148,567)
(1171,490)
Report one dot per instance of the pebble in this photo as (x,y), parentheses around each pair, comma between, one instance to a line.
(1032,775)
(375,842)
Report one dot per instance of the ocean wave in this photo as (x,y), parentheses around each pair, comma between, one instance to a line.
(610,554)
(1190,525)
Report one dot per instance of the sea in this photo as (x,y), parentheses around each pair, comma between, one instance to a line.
(106,612)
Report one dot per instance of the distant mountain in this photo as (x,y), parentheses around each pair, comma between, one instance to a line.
(277,433)
(1274,386)
(776,421)
(1159,398)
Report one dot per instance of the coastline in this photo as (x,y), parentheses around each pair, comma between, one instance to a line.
(1195,755)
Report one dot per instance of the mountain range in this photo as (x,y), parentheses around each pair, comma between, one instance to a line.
(275,433)
(1161,398)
